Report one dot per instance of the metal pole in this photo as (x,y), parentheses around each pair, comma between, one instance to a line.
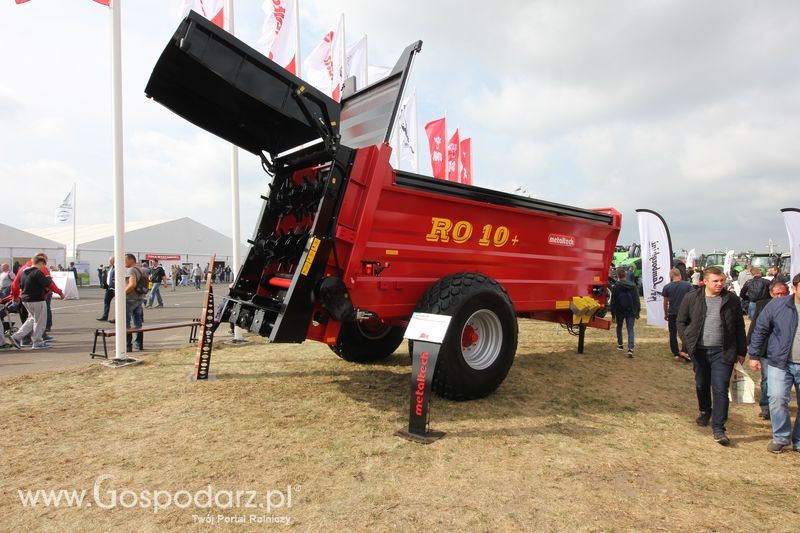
(235,230)
(119,181)
(74,216)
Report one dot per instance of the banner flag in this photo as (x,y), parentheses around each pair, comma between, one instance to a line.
(690,258)
(726,267)
(65,212)
(377,73)
(407,132)
(278,39)
(356,62)
(452,157)
(323,67)
(104,2)
(213,10)
(791,216)
(435,130)
(466,161)
(656,263)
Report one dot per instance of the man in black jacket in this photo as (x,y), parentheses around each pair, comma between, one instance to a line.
(34,289)
(754,290)
(109,284)
(711,326)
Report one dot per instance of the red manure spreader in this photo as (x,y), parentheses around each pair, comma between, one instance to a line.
(347,248)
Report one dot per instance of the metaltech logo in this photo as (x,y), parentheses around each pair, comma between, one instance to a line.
(560,240)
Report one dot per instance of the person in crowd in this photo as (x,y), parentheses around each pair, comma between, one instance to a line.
(673,294)
(135,291)
(100,278)
(6,279)
(157,277)
(74,270)
(146,269)
(175,275)
(16,293)
(755,290)
(696,278)
(15,267)
(776,290)
(109,280)
(777,328)
(744,276)
(625,307)
(197,274)
(711,327)
(775,273)
(34,286)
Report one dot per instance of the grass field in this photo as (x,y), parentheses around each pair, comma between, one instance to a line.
(568,442)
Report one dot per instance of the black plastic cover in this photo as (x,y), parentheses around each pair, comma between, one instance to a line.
(214,80)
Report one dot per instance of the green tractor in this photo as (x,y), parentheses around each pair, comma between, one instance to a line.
(763,261)
(717,259)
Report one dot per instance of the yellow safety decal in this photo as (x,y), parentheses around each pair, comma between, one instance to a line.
(562,304)
(310,259)
(597,278)
(392,252)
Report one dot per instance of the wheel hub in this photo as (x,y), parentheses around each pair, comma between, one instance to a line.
(481,339)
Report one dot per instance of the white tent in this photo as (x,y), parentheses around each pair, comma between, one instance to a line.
(181,240)
(18,245)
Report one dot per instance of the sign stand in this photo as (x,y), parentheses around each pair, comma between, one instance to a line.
(205,343)
(427,332)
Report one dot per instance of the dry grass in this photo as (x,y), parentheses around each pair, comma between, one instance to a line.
(593,442)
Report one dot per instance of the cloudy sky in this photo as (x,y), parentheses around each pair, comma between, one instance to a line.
(688,108)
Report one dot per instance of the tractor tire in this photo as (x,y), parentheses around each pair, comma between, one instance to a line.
(480,344)
(365,343)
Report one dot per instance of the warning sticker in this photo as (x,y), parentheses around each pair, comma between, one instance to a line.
(310,258)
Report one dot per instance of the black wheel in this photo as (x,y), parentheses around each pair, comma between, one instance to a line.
(480,344)
(366,341)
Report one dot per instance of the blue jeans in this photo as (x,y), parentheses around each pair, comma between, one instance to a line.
(712,375)
(155,292)
(763,401)
(780,385)
(751,310)
(134,318)
(629,325)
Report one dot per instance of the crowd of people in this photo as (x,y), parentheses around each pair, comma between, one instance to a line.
(28,290)
(706,326)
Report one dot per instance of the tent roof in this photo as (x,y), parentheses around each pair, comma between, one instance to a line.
(89,232)
(17,238)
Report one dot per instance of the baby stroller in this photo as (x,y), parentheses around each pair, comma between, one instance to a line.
(7,309)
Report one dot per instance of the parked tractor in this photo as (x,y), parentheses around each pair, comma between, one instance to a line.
(346,248)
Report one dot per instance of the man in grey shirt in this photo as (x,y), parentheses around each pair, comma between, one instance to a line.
(777,328)
(711,326)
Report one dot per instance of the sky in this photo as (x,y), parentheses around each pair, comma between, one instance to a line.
(691,109)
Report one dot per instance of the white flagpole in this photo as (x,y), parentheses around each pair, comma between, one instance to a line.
(416,135)
(119,181)
(365,70)
(236,233)
(74,215)
(297,63)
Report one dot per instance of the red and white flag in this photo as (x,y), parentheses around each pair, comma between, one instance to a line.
(452,157)
(213,10)
(324,66)
(465,176)
(435,130)
(104,2)
(279,37)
